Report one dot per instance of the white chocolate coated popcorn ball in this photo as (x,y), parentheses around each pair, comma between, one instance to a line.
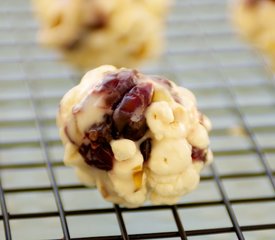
(254,20)
(90,33)
(135,137)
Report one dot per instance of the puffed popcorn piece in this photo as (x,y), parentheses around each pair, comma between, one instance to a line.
(90,33)
(255,22)
(135,137)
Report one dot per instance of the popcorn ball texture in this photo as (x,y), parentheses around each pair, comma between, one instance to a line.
(255,22)
(90,33)
(134,137)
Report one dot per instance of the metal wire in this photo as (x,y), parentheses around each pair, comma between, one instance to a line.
(179,223)
(121,223)
(228,206)
(49,167)
(5,213)
(180,60)
(223,193)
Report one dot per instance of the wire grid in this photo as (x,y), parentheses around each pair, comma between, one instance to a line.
(41,199)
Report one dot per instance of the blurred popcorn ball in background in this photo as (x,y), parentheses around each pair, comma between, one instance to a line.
(124,33)
(255,22)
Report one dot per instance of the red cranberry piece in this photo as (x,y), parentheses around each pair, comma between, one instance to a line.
(101,132)
(95,148)
(135,130)
(98,155)
(129,115)
(145,149)
(199,154)
(115,85)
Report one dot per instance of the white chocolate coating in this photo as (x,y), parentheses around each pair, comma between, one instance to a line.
(90,33)
(123,149)
(175,127)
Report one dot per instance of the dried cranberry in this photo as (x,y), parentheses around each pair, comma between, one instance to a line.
(145,149)
(129,115)
(96,149)
(198,154)
(135,130)
(101,132)
(98,155)
(115,85)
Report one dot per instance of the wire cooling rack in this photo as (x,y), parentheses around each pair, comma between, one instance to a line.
(41,199)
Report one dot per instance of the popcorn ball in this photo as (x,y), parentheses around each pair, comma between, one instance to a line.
(135,137)
(90,33)
(255,22)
